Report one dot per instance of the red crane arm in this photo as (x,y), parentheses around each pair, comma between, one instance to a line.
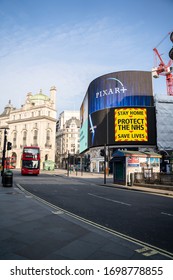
(159,56)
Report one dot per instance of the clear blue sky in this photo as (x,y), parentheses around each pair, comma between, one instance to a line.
(69,43)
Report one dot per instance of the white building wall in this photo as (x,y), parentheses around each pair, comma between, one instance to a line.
(38,113)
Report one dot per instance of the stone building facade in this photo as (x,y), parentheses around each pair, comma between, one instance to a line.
(34,124)
(67,136)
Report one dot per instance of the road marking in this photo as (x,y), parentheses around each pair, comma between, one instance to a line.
(146,251)
(58,212)
(108,199)
(167,214)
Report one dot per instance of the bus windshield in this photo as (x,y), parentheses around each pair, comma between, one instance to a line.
(31,164)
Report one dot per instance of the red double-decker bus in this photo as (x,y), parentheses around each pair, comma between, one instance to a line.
(30,161)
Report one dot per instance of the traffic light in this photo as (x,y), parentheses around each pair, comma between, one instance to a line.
(171,53)
(171,50)
(102,153)
(9,146)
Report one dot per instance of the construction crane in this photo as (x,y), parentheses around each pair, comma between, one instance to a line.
(164,69)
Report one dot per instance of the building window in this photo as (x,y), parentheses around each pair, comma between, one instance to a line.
(48,135)
(35,137)
(0,139)
(14,140)
(24,138)
(48,138)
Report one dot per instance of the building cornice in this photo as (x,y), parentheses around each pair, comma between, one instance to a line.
(32,108)
(32,119)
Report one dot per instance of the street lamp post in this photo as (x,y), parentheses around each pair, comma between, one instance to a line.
(68,163)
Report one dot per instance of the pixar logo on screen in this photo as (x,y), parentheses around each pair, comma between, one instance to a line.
(116,90)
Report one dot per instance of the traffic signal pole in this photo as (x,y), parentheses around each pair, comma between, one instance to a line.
(171,50)
(105,164)
(104,154)
(4,151)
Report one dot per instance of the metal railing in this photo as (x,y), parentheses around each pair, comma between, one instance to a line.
(153,178)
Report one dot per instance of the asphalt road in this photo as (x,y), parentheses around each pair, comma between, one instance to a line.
(143,216)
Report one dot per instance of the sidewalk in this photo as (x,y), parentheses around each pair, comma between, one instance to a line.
(98,178)
(33,230)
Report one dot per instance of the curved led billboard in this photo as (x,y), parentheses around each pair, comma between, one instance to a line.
(120,110)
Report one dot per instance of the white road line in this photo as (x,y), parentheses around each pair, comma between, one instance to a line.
(146,251)
(108,199)
(58,212)
(167,214)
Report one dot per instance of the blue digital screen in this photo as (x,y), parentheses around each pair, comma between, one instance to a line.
(120,89)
